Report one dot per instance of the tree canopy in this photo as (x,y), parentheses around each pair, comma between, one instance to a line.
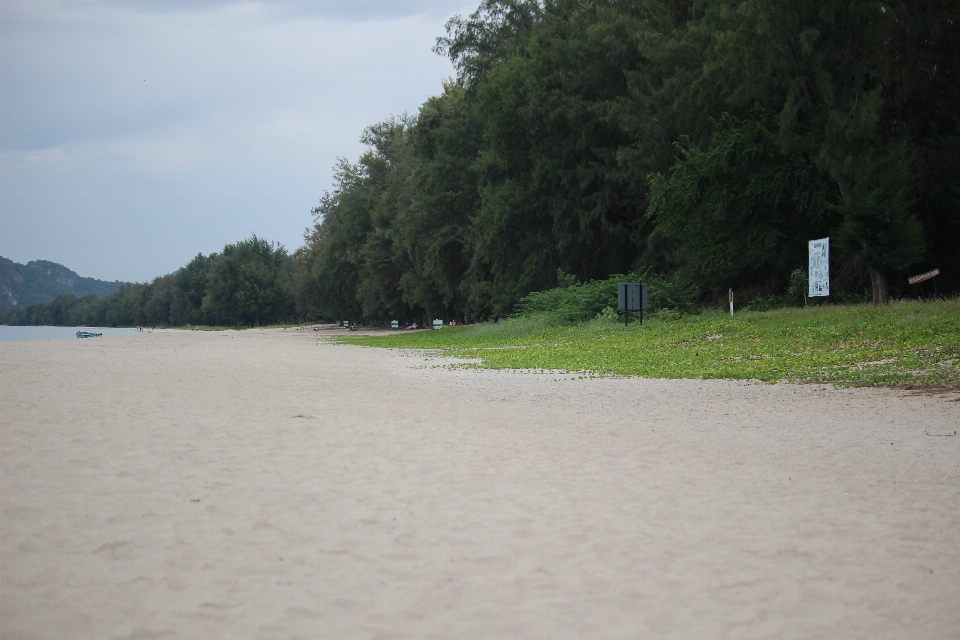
(596,137)
(247,284)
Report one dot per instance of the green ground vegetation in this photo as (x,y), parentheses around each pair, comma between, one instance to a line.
(905,343)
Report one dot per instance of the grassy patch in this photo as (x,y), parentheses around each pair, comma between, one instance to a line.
(914,343)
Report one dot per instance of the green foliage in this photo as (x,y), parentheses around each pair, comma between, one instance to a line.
(609,314)
(860,91)
(188,286)
(742,210)
(432,232)
(573,302)
(247,284)
(676,292)
(565,280)
(476,44)
(879,227)
(904,343)
(796,294)
(667,315)
(558,110)
(706,142)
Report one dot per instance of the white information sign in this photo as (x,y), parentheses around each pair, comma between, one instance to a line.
(819,267)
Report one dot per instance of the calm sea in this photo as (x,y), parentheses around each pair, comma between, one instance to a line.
(55,333)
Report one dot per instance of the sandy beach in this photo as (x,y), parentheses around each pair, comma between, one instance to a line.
(267,484)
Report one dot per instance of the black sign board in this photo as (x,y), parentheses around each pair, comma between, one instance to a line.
(632,296)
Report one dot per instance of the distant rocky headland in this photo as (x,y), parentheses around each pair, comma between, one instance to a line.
(42,281)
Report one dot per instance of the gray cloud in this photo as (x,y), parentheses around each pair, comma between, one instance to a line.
(131,139)
(346,10)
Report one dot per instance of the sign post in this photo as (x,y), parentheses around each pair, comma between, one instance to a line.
(631,296)
(819,268)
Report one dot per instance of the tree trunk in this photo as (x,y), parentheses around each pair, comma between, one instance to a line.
(878,280)
(881,294)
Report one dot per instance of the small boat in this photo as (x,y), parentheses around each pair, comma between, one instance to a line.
(87,334)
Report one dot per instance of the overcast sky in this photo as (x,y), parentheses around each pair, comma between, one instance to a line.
(135,134)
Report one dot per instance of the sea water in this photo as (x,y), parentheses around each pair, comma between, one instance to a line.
(8,333)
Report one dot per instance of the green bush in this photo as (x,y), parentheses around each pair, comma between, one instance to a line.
(609,314)
(675,292)
(667,315)
(573,302)
(796,294)
(760,303)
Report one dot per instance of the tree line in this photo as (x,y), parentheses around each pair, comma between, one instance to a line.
(247,284)
(703,142)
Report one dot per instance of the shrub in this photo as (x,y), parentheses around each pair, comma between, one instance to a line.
(667,315)
(575,302)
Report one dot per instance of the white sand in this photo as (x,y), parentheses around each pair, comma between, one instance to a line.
(262,485)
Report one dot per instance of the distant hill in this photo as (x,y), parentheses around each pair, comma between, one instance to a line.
(42,281)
